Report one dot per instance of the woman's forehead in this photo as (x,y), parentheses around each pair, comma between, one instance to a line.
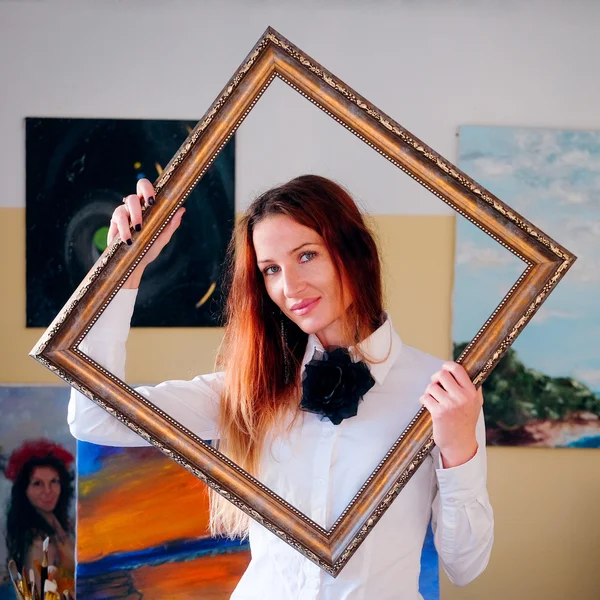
(43,473)
(281,233)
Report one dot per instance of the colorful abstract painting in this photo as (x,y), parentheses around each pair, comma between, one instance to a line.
(143,532)
(82,169)
(546,390)
(28,413)
(429,578)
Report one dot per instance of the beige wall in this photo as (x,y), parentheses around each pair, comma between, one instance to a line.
(547,541)
(416,249)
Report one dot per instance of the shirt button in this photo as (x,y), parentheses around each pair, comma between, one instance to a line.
(320,482)
(451,500)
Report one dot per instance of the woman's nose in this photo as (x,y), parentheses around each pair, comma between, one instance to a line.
(293,283)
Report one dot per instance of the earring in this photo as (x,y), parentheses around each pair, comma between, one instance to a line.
(284,347)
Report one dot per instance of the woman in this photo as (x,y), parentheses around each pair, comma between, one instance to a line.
(39,507)
(305,279)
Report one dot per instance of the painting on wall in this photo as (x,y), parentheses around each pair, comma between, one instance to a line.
(545,392)
(429,577)
(77,173)
(143,532)
(37,453)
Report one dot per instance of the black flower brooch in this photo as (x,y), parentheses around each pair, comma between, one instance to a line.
(333,385)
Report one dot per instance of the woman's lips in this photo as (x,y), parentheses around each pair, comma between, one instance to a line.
(304,307)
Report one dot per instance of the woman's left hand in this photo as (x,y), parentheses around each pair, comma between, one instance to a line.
(455,405)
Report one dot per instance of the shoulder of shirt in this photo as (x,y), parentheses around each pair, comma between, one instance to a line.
(411,356)
(215,379)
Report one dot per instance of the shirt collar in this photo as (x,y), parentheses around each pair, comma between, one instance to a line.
(384,345)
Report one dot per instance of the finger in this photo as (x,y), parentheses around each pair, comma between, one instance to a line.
(480,395)
(430,404)
(438,393)
(112,232)
(121,219)
(135,211)
(446,380)
(145,191)
(167,233)
(459,373)
(174,224)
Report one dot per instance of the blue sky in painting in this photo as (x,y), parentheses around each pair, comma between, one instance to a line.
(551,177)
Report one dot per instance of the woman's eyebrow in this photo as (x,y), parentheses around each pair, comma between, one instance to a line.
(266,260)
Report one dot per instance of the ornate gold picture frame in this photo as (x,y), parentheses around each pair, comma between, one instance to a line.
(546,262)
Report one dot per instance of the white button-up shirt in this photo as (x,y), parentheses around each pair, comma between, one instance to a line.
(318,467)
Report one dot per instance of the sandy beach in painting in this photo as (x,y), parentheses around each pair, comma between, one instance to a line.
(578,431)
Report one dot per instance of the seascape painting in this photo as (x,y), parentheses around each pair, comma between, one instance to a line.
(82,169)
(546,390)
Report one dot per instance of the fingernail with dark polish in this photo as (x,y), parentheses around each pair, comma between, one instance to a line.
(138,227)
(129,242)
(151,200)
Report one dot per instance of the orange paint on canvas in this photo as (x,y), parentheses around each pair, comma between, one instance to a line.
(209,578)
(134,504)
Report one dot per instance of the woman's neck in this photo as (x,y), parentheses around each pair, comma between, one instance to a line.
(332,336)
(49,517)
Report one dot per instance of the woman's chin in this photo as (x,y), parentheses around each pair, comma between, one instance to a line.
(308,324)
(325,330)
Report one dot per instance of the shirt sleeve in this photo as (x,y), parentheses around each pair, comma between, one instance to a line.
(194,403)
(462,516)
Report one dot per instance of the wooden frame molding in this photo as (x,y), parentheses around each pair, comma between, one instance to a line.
(546,262)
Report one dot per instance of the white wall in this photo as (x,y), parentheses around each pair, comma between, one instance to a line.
(431,65)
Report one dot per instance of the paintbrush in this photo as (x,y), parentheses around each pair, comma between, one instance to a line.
(16,579)
(51,590)
(26,592)
(45,564)
(34,594)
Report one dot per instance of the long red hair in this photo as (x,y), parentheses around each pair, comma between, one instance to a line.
(253,355)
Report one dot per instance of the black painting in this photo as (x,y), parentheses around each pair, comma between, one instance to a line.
(77,173)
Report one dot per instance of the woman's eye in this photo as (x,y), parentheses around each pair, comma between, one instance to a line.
(304,258)
(270,270)
(307,256)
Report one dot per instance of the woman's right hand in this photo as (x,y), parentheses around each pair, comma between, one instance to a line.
(128,216)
